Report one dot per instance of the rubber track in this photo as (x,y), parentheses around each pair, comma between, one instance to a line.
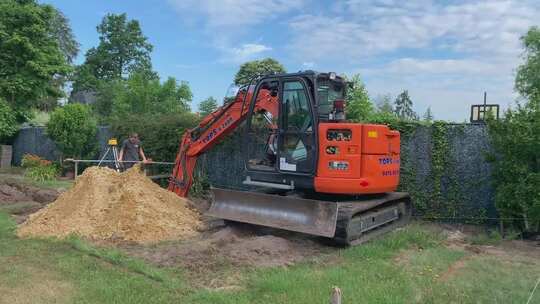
(349,210)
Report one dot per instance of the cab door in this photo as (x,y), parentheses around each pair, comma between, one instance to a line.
(296,128)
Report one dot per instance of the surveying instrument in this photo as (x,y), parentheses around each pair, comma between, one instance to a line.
(112,148)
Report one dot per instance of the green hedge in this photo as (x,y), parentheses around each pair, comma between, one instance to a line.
(160,133)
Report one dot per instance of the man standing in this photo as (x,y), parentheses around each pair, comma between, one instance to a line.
(131,150)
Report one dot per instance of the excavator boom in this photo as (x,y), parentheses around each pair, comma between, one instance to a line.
(210,131)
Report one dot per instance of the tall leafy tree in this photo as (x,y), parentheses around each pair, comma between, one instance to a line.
(141,94)
(31,54)
(208,106)
(516,141)
(359,107)
(403,106)
(253,68)
(528,74)
(384,104)
(8,121)
(122,49)
(428,116)
(61,30)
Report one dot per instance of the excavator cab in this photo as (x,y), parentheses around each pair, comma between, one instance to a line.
(282,142)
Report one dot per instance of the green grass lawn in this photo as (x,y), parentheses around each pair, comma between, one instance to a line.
(409,266)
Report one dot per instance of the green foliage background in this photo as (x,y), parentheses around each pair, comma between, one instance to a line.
(27,35)
(253,68)
(516,140)
(8,121)
(160,133)
(73,128)
(207,106)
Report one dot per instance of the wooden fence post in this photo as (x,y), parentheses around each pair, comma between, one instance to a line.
(336,295)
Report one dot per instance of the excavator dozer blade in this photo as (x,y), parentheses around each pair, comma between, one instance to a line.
(283,212)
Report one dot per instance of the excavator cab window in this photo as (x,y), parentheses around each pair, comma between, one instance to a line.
(262,144)
(296,130)
(232,91)
(328,92)
(281,137)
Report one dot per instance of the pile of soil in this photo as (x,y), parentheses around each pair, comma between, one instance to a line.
(106,205)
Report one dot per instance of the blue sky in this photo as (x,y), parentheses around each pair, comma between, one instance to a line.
(446,53)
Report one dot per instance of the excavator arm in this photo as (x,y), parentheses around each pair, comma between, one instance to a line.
(212,129)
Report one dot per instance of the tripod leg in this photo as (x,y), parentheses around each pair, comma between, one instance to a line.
(116,160)
(104,155)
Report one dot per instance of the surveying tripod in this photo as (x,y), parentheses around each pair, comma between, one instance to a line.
(112,148)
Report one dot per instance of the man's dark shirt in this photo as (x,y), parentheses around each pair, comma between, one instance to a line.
(131,151)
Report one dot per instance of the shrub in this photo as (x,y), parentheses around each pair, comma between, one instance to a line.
(31,161)
(8,121)
(160,133)
(39,169)
(516,140)
(516,166)
(73,128)
(43,173)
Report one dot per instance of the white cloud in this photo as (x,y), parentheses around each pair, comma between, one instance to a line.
(373,27)
(308,64)
(235,12)
(246,51)
(449,86)
(454,49)
(227,22)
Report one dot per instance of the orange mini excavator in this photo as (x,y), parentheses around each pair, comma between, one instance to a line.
(309,170)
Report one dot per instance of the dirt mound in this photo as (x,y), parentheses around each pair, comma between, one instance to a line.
(106,205)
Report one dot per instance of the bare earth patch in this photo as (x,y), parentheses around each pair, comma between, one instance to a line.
(226,251)
(21,200)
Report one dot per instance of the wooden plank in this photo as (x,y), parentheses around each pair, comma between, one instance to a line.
(5,156)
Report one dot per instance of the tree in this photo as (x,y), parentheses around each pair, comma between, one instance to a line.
(358,107)
(403,106)
(516,143)
(8,121)
(528,74)
(384,104)
(207,106)
(141,94)
(31,56)
(122,49)
(428,116)
(65,38)
(73,129)
(253,68)
(160,133)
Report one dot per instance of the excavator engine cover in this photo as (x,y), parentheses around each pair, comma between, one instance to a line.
(283,212)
